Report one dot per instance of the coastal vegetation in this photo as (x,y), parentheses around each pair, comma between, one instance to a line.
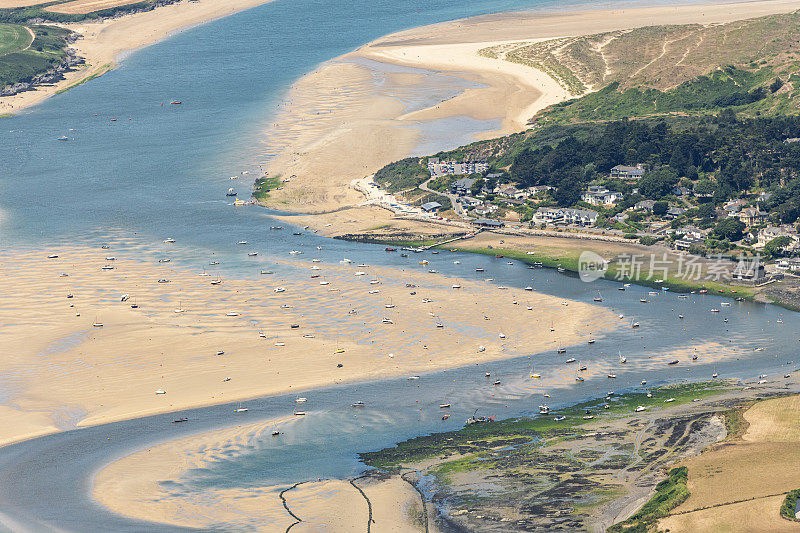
(30,51)
(670,493)
(402,175)
(481,437)
(44,12)
(550,474)
(264,185)
(789,505)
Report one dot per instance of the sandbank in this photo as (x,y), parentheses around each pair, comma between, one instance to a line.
(133,486)
(65,372)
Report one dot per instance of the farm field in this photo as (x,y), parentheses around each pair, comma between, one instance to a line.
(80,7)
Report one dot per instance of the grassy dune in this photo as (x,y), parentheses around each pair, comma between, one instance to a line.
(670,69)
(13,38)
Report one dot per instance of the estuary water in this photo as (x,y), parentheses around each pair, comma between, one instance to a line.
(161,171)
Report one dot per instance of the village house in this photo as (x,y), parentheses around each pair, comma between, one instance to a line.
(599,195)
(681,191)
(791,264)
(690,235)
(431,207)
(578,217)
(536,189)
(468,201)
(675,212)
(748,270)
(627,173)
(509,191)
(773,232)
(752,216)
(462,186)
(488,223)
(485,210)
(734,206)
(446,168)
(645,205)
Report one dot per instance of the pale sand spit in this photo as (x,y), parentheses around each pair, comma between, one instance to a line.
(64,371)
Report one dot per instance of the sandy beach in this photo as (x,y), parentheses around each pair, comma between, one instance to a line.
(101,43)
(508,92)
(67,372)
(127,488)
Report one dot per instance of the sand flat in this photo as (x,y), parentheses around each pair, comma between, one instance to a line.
(134,486)
(74,373)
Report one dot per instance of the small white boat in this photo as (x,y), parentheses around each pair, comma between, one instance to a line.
(252,254)
(278,289)
(612,376)
(456,286)
(444,406)
(231,313)
(374,291)
(242,242)
(295,252)
(97,325)
(240,410)
(169,240)
(412,378)
(387,321)
(360,273)
(502,335)
(161,391)
(481,348)
(358,404)
(280,343)
(528,288)
(301,400)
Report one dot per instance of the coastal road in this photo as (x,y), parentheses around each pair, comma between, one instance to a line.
(454,200)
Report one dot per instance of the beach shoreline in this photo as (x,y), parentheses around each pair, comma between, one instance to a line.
(104,43)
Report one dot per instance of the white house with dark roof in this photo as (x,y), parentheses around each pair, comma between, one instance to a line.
(599,195)
(626,172)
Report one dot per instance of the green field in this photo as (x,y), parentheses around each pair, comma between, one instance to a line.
(21,63)
(13,38)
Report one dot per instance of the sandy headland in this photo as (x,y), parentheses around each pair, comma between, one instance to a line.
(82,356)
(102,42)
(356,113)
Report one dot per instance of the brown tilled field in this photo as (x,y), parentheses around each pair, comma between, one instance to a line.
(9,4)
(86,6)
(743,481)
